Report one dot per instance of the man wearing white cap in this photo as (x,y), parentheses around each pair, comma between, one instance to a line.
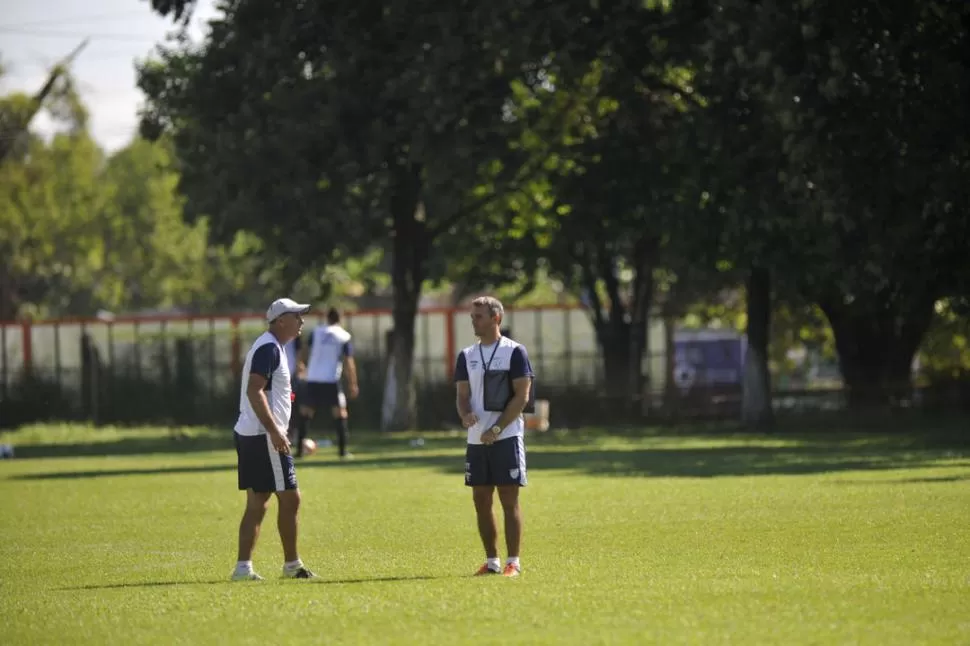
(265,465)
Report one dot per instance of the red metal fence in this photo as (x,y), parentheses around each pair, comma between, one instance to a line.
(559,338)
(187,367)
(186,370)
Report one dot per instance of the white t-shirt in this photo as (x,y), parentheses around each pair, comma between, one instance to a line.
(329,344)
(266,358)
(506,354)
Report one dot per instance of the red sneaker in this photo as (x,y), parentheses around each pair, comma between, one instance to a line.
(486,570)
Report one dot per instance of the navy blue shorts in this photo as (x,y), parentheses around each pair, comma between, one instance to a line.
(502,463)
(325,395)
(261,467)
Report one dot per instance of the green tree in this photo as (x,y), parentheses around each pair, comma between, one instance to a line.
(354,122)
(49,202)
(84,232)
(35,182)
(602,119)
(851,164)
(149,257)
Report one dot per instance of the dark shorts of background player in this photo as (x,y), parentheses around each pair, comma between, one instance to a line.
(299,394)
(297,418)
(501,463)
(321,395)
(261,467)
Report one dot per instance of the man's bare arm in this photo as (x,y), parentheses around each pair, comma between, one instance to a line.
(350,366)
(463,400)
(516,405)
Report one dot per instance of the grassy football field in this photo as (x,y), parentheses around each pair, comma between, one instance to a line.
(113,536)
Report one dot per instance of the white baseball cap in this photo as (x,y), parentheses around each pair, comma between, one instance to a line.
(283,306)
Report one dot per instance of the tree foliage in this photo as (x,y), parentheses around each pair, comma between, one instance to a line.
(354,123)
(85,231)
(851,168)
(635,152)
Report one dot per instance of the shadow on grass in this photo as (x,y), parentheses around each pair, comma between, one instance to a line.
(178,442)
(805,456)
(132,444)
(319,581)
(899,430)
(926,480)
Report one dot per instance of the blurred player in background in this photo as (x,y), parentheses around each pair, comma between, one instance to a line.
(298,421)
(265,465)
(328,354)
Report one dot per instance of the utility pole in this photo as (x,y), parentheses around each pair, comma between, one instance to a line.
(12,127)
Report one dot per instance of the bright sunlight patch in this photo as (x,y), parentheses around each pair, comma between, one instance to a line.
(114,535)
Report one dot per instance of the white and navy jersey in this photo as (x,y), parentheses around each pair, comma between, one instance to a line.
(505,354)
(266,359)
(329,346)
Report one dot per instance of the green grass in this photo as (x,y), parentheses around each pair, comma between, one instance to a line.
(115,535)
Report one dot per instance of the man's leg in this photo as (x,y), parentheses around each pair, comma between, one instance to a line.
(252,519)
(508,495)
(339,414)
(487,528)
(256,504)
(307,410)
(300,420)
(297,432)
(287,522)
(477,477)
(301,425)
(508,470)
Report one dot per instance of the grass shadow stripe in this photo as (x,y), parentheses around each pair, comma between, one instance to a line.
(227,581)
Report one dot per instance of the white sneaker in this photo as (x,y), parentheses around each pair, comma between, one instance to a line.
(245,575)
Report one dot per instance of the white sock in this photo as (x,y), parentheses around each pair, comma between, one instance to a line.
(513,560)
(292,565)
(494,564)
(244,566)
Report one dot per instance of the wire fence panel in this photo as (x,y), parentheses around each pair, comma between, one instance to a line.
(186,369)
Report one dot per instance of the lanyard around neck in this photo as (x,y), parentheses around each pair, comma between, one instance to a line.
(482,354)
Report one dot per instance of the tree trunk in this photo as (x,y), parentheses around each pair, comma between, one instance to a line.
(8,301)
(410,247)
(671,396)
(876,347)
(621,328)
(640,319)
(404,312)
(12,288)
(622,344)
(614,342)
(756,408)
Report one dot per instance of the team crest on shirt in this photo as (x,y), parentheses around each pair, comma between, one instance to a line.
(473,363)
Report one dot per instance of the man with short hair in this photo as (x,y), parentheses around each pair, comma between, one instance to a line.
(265,465)
(328,353)
(495,451)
